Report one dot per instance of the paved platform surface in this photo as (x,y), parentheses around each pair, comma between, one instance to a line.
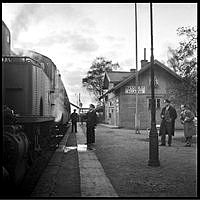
(89,178)
(93,179)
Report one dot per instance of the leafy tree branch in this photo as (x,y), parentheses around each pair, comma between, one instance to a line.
(93,82)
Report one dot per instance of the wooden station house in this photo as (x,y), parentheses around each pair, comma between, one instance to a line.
(120,95)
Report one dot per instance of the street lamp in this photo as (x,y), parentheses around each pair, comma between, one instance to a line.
(153,135)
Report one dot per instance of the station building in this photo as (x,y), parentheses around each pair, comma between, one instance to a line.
(120,95)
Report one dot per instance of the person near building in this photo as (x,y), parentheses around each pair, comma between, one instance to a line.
(187,119)
(74,120)
(91,123)
(167,127)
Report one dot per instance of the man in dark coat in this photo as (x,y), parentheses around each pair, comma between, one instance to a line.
(74,119)
(168,115)
(91,124)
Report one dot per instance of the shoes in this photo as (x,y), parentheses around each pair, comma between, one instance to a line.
(91,149)
(169,145)
(187,145)
(162,145)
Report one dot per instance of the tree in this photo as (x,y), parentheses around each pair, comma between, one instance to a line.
(183,60)
(93,82)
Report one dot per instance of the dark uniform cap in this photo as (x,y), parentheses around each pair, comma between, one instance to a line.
(91,105)
(167,101)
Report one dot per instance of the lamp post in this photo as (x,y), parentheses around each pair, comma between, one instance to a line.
(153,136)
(137,131)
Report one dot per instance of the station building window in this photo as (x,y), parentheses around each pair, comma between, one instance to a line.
(157,103)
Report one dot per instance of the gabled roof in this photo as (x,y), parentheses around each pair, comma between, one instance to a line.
(143,69)
(117,76)
(114,77)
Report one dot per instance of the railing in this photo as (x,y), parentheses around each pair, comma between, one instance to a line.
(19,59)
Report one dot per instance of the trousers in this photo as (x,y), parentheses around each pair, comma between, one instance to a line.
(163,139)
(74,127)
(90,135)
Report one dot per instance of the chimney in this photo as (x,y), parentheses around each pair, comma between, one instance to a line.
(133,70)
(144,62)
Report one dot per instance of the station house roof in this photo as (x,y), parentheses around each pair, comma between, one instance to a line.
(115,77)
(131,75)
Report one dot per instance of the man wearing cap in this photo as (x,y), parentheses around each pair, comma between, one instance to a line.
(91,124)
(168,116)
(74,119)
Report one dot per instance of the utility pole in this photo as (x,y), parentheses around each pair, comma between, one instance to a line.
(79,101)
(79,105)
(137,131)
(76,96)
(153,136)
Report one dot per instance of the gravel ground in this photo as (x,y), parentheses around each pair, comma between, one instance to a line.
(124,156)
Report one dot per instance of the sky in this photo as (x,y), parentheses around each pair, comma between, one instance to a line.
(72,35)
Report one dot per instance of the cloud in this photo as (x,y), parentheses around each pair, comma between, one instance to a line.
(111,38)
(47,41)
(87,26)
(126,64)
(88,22)
(23,19)
(51,39)
(73,41)
(72,77)
(83,44)
(47,16)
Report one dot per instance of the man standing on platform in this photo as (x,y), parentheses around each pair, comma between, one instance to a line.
(168,116)
(74,119)
(91,124)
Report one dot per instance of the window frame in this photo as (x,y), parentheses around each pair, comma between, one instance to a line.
(149,103)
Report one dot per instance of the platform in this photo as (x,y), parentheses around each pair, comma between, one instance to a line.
(92,180)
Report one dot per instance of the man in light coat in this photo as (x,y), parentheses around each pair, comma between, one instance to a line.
(187,118)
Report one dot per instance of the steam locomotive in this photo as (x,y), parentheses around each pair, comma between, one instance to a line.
(34,103)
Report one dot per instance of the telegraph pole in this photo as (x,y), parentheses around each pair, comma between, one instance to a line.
(153,136)
(137,131)
(79,101)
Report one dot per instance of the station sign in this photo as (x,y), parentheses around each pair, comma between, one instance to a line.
(132,89)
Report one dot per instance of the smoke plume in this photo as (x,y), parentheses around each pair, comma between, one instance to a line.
(23,19)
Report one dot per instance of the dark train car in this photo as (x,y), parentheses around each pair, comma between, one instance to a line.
(58,101)
(35,101)
(6,40)
(25,87)
(61,109)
